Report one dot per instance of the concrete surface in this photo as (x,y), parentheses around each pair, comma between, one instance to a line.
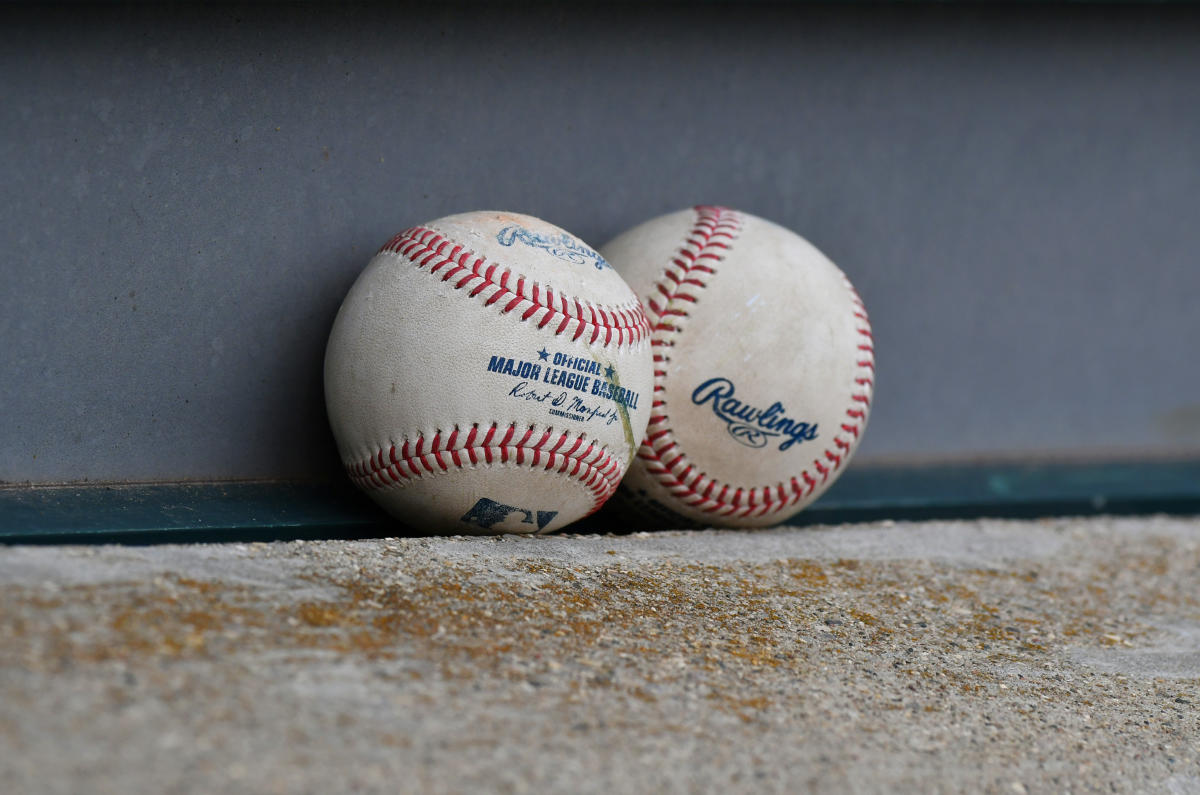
(997,656)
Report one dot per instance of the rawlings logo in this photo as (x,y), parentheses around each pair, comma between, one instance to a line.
(561,246)
(749,425)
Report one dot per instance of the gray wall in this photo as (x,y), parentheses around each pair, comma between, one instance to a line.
(187,195)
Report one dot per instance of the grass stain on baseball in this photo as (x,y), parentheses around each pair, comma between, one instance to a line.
(626,424)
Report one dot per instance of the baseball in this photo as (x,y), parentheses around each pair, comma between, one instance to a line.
(763,368)
(488,372)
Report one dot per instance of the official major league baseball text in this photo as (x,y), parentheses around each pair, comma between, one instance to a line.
(485,374)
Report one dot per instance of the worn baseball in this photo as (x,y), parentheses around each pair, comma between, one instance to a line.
(763,368)
(488,372)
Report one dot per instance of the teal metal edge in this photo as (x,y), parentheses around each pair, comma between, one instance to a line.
(186,513)
(240,511)
(1009,491)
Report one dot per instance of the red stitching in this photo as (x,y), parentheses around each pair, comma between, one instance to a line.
(418,458)
(427,248)
(688,270)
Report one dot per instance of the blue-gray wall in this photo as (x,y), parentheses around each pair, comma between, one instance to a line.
(187,194)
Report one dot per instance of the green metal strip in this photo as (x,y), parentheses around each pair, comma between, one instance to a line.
(235,511)
(185,512)
(1015,491)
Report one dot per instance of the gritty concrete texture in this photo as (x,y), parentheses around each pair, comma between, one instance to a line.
(1047,656)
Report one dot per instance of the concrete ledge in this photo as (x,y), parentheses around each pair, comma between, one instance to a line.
(1006,656)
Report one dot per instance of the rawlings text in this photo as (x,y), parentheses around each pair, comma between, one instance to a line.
(752,426)
(562,245)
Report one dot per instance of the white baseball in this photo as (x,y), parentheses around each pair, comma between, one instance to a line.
(488,372)
(763,364)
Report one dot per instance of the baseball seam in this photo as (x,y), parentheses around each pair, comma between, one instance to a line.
(683,281)
(612,325)
(572,455)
